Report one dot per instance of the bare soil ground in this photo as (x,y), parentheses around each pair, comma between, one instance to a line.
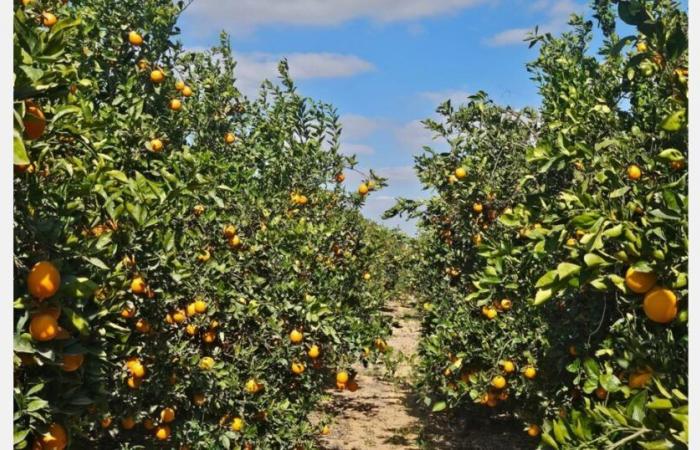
(384,414)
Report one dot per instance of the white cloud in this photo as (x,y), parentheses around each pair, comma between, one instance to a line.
(398,174)
(253,68)
(558,12)
(356,149)
(413,136)
(457,96)
(358,127)
(244,16)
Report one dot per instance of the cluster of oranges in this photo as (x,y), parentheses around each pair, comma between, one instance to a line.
(660,304)
(492,310)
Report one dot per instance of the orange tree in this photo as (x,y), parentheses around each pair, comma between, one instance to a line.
(553,266)
(189,269)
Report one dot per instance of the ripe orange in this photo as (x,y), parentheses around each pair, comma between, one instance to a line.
(342,377)
(175,104)
(460,173)
(363,189)
(237,424)
(297,368)
(340,177)
(314,351)
(234,242)
(200,306)
(573,351)
(136,368)
(533,430)
(187,91)
(229,231)
(326,430)
(660,305)
(133,382)
(204,256)
(489,312)
(199,399)
(162,432)
(191,309)
(209,336)
(138,285)
(530,372)
(477,208)
(634,173)
(128,311)
(642,47)
(601,393)
(142,326)
(179,85)
(55,438)
(48,19)
(253,387)
(498,382)
(43,280)
(34,121)
(506,304)
(156,145)
(206,363)
(72,363)
(340,386)
(167,414)
(179,316)
(135,38)
(191,329)
(639,282)
(229,138)
(296,336)
(476,239)
(43,327)
(508,366)
(640,379)
(106,422)
(198,210)
(128,423)
(157,76)
(148,424)
(366,276)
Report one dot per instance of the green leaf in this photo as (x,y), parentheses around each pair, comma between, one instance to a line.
(546,279)
(635,407)
(619,192)
(77,321)
(660,403)
(671,154)
(565,270)
(592,260)
(675,121)
(542,296)
(20,153)
(439,406)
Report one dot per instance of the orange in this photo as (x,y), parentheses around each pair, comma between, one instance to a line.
(135,38)
(634,173)
(133,382)
(48,19)
(43,327)
(642,47)
(198,399)
(498,382)
(198,210)
(297,368)
(367,276)
(209,336)
(142,326)
(136,368)
(106,422)
(340,177)
(314,351)
(175,104)
(252,386)
(72,363)
(191,310)
(460,173)
(476,239)
(601,393)
(179,316)
(138,285)
(142,64)
(200,306)
(508,367)
(342,377)
(179,85)
(573,351)
(156,145)
(533,430)
(162,432)
(128,423)
(530,372)
(148,424)
(640,379)
(55,438)
(660,305)
(363,189)
(43,280)
(229,138)
(340,386)
(237,424)
(157,76)
(229,231)
(206,363)
(489,312)
(571,242)
(187,91)
(506,304)
(302,200)
(34,121)
(477,208)
(128,311)
(204,256)
(234,242)
(639,282)
(296,336)
(326,430)
(191,329)
(167,414)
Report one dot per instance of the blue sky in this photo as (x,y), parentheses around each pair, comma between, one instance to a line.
(385,64)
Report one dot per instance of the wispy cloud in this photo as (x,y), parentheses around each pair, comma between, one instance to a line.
(348,148)
(244,16)
(457,96)
(558,13)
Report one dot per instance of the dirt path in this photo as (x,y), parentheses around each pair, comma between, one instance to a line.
(383,414)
